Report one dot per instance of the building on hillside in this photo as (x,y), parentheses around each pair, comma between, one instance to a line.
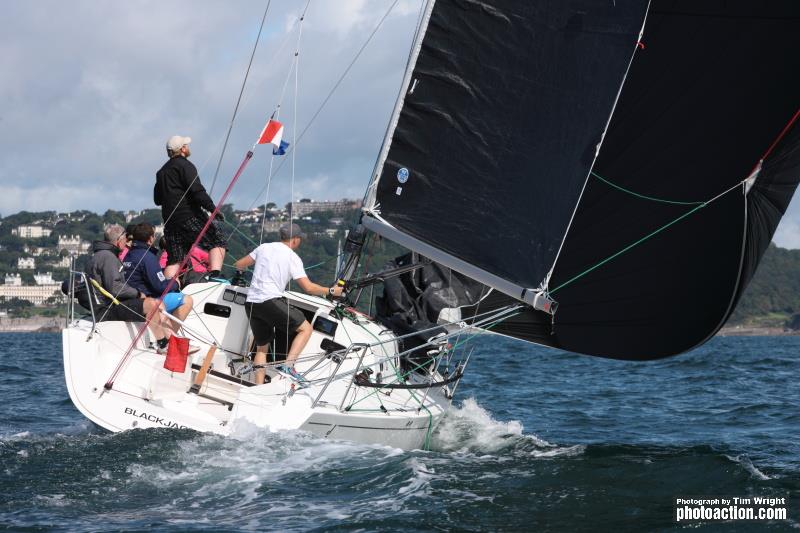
(31,232)
(73,244)
(35,251)
(251,216)
(44,279)
(36,294)
(63,262)
(14,279)
(272,226)
(26,263)
(306,206)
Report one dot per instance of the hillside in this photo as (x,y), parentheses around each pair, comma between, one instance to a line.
(771,300)
(773,296)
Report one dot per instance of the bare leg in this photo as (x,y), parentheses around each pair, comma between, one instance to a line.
(216,256)
(170,271)
(261,359)
(157,323)
(181,312)
(299,342)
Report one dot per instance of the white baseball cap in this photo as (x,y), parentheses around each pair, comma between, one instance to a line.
(176,142)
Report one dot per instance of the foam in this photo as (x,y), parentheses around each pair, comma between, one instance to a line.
(569,451)
(420,480)
(749,466)
(470,428)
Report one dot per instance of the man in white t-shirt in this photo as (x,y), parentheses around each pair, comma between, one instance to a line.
(275,264)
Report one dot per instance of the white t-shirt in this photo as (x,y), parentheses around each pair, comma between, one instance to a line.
(275,265)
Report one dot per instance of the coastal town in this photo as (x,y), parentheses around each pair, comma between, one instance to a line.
(37,250)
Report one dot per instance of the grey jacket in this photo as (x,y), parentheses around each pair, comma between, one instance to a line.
(106,268)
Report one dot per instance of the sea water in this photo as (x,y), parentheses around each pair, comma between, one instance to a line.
(537,439)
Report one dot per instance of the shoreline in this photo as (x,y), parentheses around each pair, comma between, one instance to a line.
(56,324)
(753,331)
(37,324)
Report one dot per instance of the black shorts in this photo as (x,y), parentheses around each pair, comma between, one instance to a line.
(130,310)
(181,237)
(271,315)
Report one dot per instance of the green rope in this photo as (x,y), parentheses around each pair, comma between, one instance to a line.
(401,377)
(646,237)
(240,232)
(642,196)
(253,242)
(427,444)
(323,262)
(214,286)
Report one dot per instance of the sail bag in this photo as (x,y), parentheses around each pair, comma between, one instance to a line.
(177,354)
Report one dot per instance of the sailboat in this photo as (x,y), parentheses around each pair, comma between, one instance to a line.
(601,177)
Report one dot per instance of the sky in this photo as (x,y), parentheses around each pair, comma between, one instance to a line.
(90,91)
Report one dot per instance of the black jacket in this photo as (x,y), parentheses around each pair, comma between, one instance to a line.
(175,178)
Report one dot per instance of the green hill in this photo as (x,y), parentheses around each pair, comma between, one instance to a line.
(773,295)
(771,299)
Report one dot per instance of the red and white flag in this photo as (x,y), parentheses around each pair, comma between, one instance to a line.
(272,133)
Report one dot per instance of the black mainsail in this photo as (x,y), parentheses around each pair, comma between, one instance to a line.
(505,107)
(492,167)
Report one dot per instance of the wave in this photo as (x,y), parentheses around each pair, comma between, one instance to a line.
(748,465)
(469,428)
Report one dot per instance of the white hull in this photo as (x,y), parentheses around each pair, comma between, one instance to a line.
(145,395)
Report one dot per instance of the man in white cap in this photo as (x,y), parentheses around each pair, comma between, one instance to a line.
(275,264)
(185,205)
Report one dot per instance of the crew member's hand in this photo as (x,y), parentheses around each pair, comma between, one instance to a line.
(336,292)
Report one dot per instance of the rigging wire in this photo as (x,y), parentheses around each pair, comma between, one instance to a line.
(239,98)
(294,143)
(276,113)
(110,382)
(698,207)
(638,195)
(196,177)
(643,239)
(546,280)
(331,92)
(248,98)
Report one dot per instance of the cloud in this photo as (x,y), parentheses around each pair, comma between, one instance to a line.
(94,95)
(788,233)
(91,92)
